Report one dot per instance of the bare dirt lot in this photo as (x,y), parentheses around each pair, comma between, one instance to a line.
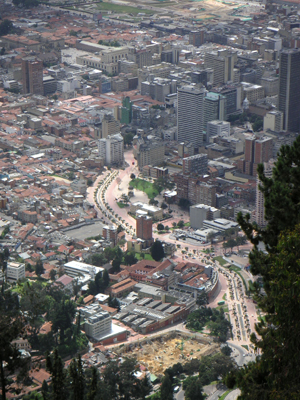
(160,353)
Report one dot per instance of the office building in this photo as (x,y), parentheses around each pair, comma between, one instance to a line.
(110,233)
(197,38)
(257,151)
(144,227)
(190,118)
(289,89)
(32,76)
(201,212)
(108,126)
(219,128)
(273,120)
(150,153)
(111,149)
(195,164)
(214,107)
(260,204)
(15,271)
(222,62)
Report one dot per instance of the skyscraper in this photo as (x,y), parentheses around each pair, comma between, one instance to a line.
(257,151)
(190,115)
(289,89)
(32,76)
(260,204)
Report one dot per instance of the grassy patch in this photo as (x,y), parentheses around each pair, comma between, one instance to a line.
(147,257)
(144,186)
(220,259)
(224,296)
(118,8)
(225,394)
(122,205)
(245,346)
(224,308)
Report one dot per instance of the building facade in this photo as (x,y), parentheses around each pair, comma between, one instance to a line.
(32,76)
(289,89)
(190,115)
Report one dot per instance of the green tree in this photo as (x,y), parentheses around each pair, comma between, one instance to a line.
(6,26)
(11,327)
(160,227)
(180,224)
(93,384)
(273,375)
(157,250)
(184,204)
(194,390)
(34,303)
(132,176)
(62,318)
(128,137)
(130,258)
(55,366)
(166,389)
(52,274)
(77,378)
(45,390)
(39,268)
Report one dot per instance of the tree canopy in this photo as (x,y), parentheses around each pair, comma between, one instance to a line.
(157,250)
(274,374)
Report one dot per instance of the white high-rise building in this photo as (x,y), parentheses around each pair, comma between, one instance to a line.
(111,149)
(190,115)
(260,204)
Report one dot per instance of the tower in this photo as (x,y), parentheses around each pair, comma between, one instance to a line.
(32,76)
(190,115)
(144,228)
(260,204)
(289,89)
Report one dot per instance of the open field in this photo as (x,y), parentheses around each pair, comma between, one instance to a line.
(122,9)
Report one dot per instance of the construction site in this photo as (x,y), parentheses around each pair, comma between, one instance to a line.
(164,350)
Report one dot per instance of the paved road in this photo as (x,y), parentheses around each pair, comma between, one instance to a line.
(179,395)
(216,395)
(233,395)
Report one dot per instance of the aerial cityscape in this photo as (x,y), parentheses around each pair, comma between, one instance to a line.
(149,199)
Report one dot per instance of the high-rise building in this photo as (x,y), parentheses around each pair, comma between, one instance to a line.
(214,107)
(260,204)
(222,62)
(197,38)
(111,149)
(32,76)
(144,227)
(109,232)
(289,89)
(190,115)
(257,151)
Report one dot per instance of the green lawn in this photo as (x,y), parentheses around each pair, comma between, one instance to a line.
(245,346)
(147,257)
(122,205)
(220,259)
(117,8)
(144,186)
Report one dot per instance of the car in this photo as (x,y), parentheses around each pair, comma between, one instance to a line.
(244,355)
(176,389)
